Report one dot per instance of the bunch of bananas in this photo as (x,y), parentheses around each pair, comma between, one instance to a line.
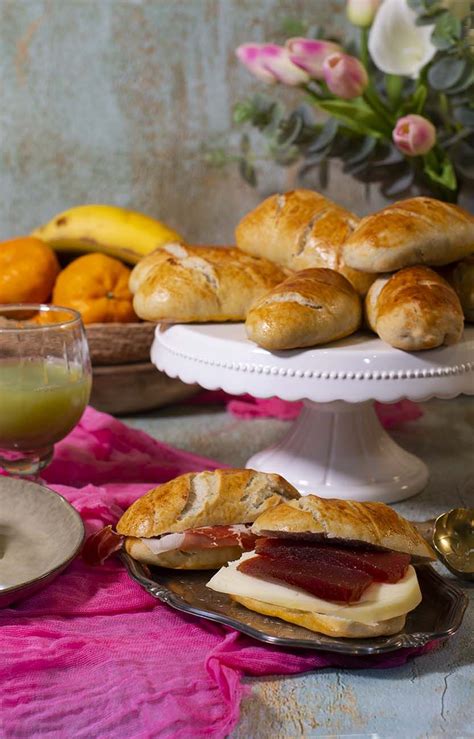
(108,229)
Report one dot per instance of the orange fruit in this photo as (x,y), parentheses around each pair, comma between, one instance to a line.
(28,270)
(97,287)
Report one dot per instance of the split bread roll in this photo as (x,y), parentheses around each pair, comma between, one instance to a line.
(414,309)
(310,545)
(415,231)
(221,498)
(301,229)
(333,519)
(182,284)
(311,307)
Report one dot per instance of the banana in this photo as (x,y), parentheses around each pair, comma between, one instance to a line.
(117,232)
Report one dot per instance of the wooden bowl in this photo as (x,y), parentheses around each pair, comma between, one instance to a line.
(119,343)
(135,388)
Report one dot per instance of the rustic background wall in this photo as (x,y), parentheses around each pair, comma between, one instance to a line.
(113,100)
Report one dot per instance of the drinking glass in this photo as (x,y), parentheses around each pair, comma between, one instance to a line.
(45,382)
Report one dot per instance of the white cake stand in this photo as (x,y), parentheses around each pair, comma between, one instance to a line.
(337,447)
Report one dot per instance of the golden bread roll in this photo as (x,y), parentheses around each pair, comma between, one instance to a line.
(309,308)
(415,231)
(371,523)
(301,229)
(323,623)
(182,284)
(414,309)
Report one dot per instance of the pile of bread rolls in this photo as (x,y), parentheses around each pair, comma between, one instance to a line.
(306,272)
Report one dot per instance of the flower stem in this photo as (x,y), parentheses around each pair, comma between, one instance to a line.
(364,47)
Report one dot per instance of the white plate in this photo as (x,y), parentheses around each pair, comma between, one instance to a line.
(40,533)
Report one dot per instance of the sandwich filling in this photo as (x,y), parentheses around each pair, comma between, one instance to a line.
(360,585)
(101,545)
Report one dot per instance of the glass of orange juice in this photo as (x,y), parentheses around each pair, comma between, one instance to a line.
(45,382)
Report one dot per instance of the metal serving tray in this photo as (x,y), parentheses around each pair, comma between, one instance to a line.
(438,616)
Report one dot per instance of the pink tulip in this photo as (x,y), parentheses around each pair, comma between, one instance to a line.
(309,54)
(362,12)
(414,135)
(271,63)
(345,76)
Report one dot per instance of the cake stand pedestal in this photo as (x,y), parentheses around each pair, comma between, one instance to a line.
(337,447)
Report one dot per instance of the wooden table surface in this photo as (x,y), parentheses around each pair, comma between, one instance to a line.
(430,696)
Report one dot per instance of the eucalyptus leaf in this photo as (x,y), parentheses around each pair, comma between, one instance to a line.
(447,31)
(466,82)
(362,152)
(465,116)
(328,131)
(463,157)
(446,72)
(245,144)
(285,157)
(289,131)
(247,172)
(399,185)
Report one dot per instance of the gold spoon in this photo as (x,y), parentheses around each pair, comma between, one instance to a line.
(452,537)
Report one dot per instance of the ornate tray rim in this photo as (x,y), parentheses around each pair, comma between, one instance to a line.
(377,645)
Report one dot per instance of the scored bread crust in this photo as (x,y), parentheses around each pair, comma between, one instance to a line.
(414,309)
(217,498)
(180,284)
(418,230)
(329,625)
(301,229)
(312,307)
(370,523)
(205,559)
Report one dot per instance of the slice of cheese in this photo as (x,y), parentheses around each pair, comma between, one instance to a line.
(380,601)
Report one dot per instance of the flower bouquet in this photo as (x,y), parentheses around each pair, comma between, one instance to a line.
(400,100)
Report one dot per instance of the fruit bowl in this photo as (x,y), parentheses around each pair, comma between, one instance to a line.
(124,380)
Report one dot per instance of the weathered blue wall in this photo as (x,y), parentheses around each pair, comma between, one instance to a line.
(112,100)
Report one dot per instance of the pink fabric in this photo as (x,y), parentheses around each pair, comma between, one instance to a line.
(246,406)
(94,655)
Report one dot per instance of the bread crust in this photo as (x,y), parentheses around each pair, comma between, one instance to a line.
(313,307)
(370,523)
(205,559)
(414,309)
(301,229)
(217,498)
(323,624)
(418,230)
(182,284)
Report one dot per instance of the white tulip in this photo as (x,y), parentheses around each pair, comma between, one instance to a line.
(396,44)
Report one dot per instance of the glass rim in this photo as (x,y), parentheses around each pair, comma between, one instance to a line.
(75,316)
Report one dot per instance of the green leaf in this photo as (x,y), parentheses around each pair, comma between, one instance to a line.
(291,26)
(361,152)
(415,103)
(465,83)
(446,72)
(289,131)
(243,111)
(447,31)
(442,174)
(356,115)
(394,86)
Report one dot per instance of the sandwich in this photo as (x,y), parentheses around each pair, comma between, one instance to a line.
(197,521)
(337,567)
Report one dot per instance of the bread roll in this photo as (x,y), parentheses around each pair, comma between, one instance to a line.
(414,309)
(414,231)
(322,623)
(204,559)
(370,523)
(461,277)
(312,307)
(217,498)
(301,229)
(182,284)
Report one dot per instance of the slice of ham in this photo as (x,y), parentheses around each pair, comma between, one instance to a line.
(101,545)
(106,542)
(327,581)
(381,566)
